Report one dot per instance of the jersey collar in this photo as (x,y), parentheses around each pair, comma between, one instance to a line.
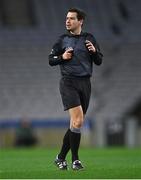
(74,35)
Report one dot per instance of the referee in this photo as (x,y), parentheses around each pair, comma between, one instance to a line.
(75,51)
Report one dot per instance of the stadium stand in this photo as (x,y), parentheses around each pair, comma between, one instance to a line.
(29,86)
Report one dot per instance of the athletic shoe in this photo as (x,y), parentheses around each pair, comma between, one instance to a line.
(60,163)
(77,165)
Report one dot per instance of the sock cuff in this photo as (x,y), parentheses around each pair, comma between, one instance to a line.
(75,130)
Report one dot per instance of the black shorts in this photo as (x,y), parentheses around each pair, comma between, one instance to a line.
(75,92)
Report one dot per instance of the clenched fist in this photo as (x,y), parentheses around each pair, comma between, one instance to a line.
(67,55)
(90,46)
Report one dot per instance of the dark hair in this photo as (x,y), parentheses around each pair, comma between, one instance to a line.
(80,14)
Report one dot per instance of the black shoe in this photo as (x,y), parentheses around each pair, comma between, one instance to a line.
(76,165)
(60,163)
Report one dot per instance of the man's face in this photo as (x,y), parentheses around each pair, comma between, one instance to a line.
(72,23)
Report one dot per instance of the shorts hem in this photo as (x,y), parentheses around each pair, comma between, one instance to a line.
(67,108)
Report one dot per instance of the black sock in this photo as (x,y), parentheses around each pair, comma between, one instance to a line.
(74,144)
(66,145)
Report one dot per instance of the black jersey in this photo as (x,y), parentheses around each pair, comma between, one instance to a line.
(81,63)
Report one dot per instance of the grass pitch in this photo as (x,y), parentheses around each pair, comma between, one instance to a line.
(99,163)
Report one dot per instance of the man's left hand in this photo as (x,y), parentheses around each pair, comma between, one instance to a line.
(90,46)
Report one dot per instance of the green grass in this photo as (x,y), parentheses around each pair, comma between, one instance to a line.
(99,163)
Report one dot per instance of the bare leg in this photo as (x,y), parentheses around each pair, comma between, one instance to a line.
(76,122)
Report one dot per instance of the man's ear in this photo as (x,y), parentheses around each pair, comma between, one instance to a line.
(81,22)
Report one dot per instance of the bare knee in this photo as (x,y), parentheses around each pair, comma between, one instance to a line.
(77,123)
(76,116)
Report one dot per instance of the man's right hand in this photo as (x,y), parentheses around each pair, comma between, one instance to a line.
(68,54)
